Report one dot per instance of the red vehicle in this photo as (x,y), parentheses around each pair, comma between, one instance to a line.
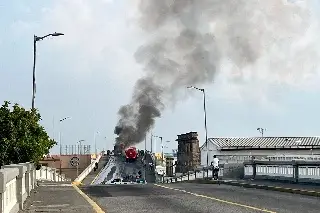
(131,154)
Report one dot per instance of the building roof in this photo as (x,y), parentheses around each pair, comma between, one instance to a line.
(264,142)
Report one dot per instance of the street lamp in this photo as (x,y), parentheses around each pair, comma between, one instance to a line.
(60,121)
(205,118)
(78,155)
(261,130)
(80,147)
(161,147)
(35,40)
(95,141)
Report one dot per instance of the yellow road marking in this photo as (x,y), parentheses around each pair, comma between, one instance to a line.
(219,200)
(89,200)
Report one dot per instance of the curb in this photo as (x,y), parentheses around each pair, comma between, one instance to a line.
(258,186)
(77,183)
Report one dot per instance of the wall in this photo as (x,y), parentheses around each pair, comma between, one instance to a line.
(188,152)
(66,168)
(17,181)
(212,151)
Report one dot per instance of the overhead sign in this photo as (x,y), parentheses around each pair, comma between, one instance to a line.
(74,161)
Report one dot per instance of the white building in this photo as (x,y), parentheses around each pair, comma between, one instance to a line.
(237,150)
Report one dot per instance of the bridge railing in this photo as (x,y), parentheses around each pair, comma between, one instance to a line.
(50,174)
(200,173)
(87,170)
(296,171)
(17,181)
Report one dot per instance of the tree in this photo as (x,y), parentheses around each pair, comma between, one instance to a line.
(22,138)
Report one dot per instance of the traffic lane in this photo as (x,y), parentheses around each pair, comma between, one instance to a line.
(275,201)
(150,198)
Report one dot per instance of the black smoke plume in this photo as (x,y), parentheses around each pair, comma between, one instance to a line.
(187,40)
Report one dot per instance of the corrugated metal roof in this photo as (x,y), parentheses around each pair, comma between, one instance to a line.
(264,142)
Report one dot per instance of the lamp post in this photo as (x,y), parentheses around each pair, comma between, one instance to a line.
(35,40)
(161,147)
(80,146)
(145,159)
(78,155)
(205,118)
(60,142)
(261,130)
(95,141)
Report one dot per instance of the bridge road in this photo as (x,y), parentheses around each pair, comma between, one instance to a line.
(197,198)
(92,175)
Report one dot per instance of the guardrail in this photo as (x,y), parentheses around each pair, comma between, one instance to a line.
(201,173)
(17,181)
(295,171)
(50,174)
(87,171)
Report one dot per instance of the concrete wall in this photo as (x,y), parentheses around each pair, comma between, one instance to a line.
(17,181)
(54,161)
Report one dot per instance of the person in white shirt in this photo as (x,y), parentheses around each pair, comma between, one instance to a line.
(215,164)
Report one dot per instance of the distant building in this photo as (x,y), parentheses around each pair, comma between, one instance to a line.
(239,149)
(188,155)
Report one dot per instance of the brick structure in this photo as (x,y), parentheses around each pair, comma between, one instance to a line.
(188,156)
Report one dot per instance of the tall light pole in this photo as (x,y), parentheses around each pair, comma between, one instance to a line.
(151,149)
(60,142)
(35,40)
(80,146)
(161,147)
(261,130)
(205,118)
(144,156)
(164,147)
(95,141)
(78,155)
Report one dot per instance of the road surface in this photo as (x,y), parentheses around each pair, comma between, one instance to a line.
(197,198)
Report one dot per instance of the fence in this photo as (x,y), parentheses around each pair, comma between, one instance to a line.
(296,171)
(201,173)
(50,174)
(17,181)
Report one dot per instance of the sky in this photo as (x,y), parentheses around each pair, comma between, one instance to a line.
(90,72)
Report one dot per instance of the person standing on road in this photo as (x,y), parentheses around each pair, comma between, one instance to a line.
(215,164)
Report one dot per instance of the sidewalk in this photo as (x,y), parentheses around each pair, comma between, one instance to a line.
(93,174)
(296,188)
(57,197)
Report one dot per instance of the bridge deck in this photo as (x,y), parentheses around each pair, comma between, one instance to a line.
(103,161)
(169,198)
(200,198)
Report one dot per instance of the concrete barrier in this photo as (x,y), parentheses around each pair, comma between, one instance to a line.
(87,170)
(293,171)
(17,181)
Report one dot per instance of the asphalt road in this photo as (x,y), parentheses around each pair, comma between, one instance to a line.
(197,198)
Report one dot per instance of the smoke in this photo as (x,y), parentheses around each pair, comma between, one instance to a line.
(187,42)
